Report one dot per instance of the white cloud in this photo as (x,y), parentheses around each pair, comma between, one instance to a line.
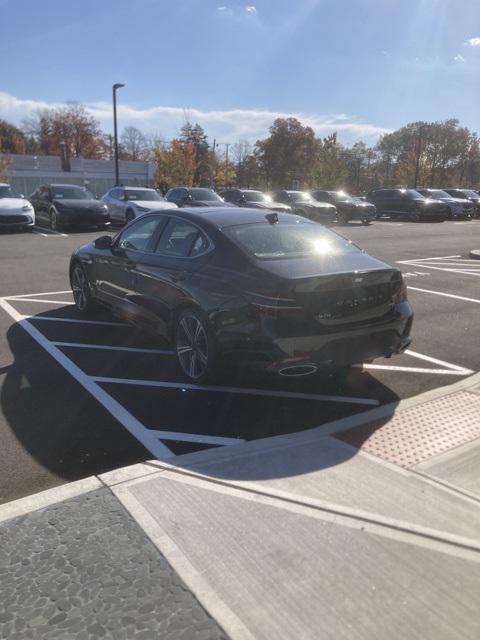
(222,9)
(473,42)
(459,58)
(225,125)
(250,8)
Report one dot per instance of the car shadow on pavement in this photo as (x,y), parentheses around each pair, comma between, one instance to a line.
(61,430)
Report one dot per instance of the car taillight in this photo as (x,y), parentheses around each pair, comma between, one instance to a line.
(266,304)
(401,294)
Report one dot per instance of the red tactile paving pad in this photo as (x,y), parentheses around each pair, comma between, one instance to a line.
(421,432)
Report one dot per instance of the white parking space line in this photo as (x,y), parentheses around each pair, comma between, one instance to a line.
(442,363)
(386,367)
(194,437)
(76,321)
(111,347)
(48,233)
(236,390)
(149,440)
(42,300)
(34,295)
(446,295)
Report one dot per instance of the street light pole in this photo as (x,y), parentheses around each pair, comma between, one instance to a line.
(116,86)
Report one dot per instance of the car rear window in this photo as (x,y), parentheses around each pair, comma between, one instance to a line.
(275,241)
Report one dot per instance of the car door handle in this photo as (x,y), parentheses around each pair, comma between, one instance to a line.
(178,276)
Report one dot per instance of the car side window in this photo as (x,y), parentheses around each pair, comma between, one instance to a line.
(322,196)
(181,239)
(138,236)
(174,194)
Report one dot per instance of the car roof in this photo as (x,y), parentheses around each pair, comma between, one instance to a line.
(132,186)
(231,216)
(57,184)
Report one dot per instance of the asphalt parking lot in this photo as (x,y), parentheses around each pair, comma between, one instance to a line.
(81,397)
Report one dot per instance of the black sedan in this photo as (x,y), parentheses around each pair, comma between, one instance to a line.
(195,197)
(273,290)
(348,207)
(253,199)
(69,205)
(303,204)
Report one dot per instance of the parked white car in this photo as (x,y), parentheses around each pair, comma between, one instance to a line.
(126,203)
(15,211)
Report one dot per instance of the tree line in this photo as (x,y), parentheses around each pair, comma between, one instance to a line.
(420,153)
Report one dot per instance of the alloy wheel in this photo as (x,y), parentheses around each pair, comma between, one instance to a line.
(192,346)
(80,288)
(53,220)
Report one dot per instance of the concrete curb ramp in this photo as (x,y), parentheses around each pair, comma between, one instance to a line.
(303,536)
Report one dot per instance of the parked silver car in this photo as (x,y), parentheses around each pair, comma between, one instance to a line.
(126,203)
(15,210)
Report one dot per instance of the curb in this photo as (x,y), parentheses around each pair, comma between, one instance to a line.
(475,254)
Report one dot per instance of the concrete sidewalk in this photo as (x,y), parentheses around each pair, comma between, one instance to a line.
(298,536)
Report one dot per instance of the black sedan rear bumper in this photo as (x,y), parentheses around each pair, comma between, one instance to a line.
(338,349)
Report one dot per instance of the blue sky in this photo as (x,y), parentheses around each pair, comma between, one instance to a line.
(360,67)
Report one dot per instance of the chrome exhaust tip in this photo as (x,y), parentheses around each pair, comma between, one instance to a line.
(297,370)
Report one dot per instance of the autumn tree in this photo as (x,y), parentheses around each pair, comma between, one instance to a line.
(330,169)
(195,135)
(12,139)
(175,165)
(72,125)
(288,154)
(4,164)
(133,144)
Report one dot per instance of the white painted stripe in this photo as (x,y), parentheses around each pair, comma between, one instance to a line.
(42,300)
(461,271)
(76,321)
(134,426)
(423,259)
(237,390)
(112,347)
(45,235)
(442,363)
(44,293)
(49,233)
(386,367)
(195,437)
(446,295)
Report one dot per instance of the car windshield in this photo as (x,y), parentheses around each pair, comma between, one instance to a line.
(342,196)
(72,193)
(142,194)
(413,193)
(256,196)
(435,193)
(6,191)
(273,241)
(300,196)
(470,193)
(205,195)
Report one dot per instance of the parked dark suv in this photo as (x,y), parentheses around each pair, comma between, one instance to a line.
(407,203)
(348,207)
(303,204)
(467,194)
(253,199)
(195,197)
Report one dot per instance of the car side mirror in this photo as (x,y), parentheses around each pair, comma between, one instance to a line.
(104,242)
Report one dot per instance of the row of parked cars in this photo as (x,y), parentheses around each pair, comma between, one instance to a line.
(60,205)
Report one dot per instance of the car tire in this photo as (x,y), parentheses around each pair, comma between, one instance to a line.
(129,216)
(54,224)
(195,346)
(414,215)
(82,296)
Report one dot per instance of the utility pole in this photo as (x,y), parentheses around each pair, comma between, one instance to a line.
(417,158)
(227,144)
(116,86)
(214,163)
